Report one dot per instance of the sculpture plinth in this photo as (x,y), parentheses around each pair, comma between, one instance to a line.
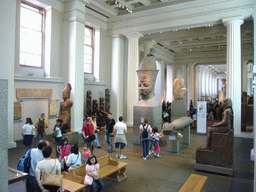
(152,113)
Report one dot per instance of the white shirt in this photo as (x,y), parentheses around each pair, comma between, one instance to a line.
(59,131)
(144,127)
(36,157)
(120,128)
(48,165)
(74,159)
(28,129)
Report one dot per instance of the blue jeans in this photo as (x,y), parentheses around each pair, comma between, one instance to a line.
(31,184)
(96,139)
(145,145)
(109,140)
(58,140)
(100,184)
(40,136)
(91,144)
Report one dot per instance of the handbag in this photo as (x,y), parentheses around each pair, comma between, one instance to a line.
(91,137)
(52,179)
(55,133)
(88,179)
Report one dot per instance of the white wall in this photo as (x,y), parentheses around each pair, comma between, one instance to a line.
(34,107)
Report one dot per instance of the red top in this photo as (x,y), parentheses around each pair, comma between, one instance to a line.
(86,130)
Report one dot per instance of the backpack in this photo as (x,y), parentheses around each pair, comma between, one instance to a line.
(25,162)
(145,132)
(40,129)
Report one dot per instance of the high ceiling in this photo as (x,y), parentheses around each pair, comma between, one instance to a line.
(207,40)
(121,7)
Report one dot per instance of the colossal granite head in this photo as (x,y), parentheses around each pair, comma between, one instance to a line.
(147,74)
(66,91)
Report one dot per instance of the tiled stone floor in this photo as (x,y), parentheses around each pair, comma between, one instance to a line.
(169,173)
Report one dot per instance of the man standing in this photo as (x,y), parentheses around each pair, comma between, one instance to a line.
(87,131)
(41,124)
(36,157)
(109,131)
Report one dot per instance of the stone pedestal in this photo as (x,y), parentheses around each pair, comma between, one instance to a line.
(73,137)
(178,109)
(152,113)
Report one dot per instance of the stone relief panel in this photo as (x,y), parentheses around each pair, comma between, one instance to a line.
(17,111)
(33,93)
(52,108)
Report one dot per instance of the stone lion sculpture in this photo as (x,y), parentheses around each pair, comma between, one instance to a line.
(178,88)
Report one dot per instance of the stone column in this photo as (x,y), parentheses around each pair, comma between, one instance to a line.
(159,86)
(254,94)
(199,81)
(203,82)
(75,25)
(117,76)
(234,87)
(17,41)
(169,83)
(191,83)
(7,59)
(132,81)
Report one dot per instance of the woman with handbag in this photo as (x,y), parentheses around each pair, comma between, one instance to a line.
(48,172)
(92,174)
(74,159)
(88,133)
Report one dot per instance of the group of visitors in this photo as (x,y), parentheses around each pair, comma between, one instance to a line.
(114,134)
(149,135)
(29,130)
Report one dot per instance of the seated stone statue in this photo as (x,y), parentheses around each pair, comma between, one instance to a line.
(224,126)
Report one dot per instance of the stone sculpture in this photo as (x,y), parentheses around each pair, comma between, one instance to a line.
(219,149)
(178,89)
(89,103)
(65,106)
(147,74)
(225,125)
(223,84)
(107,99)
(94,107)
(102,113)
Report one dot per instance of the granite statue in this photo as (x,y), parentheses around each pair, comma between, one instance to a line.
(178,89)
(217,155)
(89,103)
(102,113)
(107,99)
(65,107)
(147,74)
(95,107)
(225,125)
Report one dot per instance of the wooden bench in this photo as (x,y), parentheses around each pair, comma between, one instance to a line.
(72,186)
(109,168)
(194,183)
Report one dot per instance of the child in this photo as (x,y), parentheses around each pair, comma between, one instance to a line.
(157,136)
(92,174)
(152,141)
(64,148)
(87,153)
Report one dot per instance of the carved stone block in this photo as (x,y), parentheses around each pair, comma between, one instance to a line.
(52,108)
(17,111)
(33,93)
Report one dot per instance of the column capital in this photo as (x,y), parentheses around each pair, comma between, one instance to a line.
(134,35)
(74,10)
(233,20)
(118,36)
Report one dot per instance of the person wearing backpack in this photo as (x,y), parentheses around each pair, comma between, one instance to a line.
(36,156)
(145,130)
(41,124)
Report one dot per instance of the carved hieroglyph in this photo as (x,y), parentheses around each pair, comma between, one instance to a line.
(52,108)
(178,89)
(17,111)
(33,93)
